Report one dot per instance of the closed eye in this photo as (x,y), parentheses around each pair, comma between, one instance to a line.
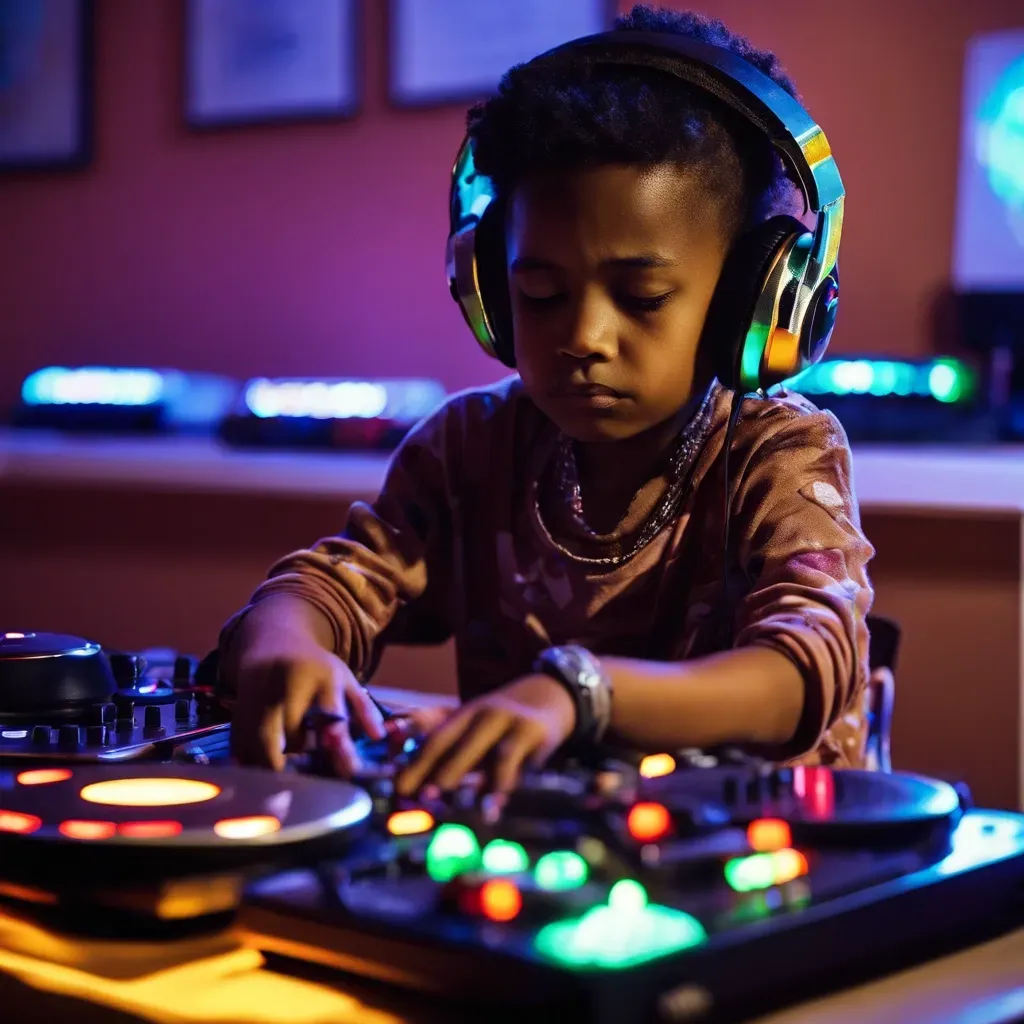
(542,301)
(644,303)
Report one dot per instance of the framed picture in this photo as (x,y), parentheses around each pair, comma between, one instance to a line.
(45,84)
(253,61)
(448,51)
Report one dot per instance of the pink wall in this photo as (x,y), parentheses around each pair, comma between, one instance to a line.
(318,249)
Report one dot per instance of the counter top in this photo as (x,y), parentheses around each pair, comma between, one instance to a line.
(887,477)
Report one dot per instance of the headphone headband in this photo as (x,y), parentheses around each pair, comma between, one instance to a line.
(736,82)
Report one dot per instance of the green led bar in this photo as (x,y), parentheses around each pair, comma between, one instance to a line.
(949,381)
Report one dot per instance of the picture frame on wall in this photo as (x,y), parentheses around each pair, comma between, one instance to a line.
(46,69)
(262,61)
(455,51)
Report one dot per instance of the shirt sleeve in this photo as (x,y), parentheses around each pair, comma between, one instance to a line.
(388,570)
(805,559)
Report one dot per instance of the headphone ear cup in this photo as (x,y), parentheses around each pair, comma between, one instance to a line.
(821,319)
(744,274)
(492,278)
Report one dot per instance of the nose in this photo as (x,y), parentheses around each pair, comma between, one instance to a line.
(591,334)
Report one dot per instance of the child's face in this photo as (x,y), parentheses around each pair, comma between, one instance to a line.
(611,270)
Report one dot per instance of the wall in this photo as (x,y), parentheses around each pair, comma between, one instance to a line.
(318,249)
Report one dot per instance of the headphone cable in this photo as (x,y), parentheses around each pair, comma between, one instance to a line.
(735,410)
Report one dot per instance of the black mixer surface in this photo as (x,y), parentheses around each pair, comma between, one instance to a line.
(684,886)
(63,698)
(663,893)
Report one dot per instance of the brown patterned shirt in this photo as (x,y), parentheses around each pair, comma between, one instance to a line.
(468,540)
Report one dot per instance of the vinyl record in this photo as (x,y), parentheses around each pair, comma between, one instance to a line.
(168,820)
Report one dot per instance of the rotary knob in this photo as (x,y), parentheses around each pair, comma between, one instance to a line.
(69,737)
(102,714)
(184,670)
(153,721)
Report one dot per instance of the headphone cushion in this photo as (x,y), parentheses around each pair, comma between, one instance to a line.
(743,276)
(492,275)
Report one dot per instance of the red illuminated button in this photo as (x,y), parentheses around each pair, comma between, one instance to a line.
(768,834)
(500,899)
(87,829)
(43,776)
(149,829)
(648,822)
(15,821)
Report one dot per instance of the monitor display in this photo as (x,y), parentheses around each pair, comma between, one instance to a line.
(989,247)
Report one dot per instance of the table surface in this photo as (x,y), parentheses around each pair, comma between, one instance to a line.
(982,985)
(971,480)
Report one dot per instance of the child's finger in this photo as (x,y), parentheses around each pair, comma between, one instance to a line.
(426,720)
(517,746)
(296,705)
(337,741)
(487,732)
(436,746)
(270,735)
(365,710)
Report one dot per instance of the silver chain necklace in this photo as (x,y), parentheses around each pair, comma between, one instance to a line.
(688,445)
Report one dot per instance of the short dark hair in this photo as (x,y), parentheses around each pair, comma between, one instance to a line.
(584,114)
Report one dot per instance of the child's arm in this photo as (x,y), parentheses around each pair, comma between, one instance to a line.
(313,629)
(751,695)
(800,654)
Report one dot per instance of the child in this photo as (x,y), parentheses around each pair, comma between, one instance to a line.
(617,557)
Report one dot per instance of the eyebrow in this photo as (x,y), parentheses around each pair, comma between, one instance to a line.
(644,261)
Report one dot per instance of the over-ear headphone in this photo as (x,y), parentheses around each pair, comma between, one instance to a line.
(774,308)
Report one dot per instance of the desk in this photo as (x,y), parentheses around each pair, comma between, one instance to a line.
(226,979)
(150,542)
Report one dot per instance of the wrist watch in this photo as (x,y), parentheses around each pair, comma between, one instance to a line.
(581,674)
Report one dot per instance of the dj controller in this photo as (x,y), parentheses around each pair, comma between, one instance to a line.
(683,886)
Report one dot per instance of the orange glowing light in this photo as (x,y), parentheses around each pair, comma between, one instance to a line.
(768,834)
(149,829)
(149,792)
(788,864)
(43,776)
(500,899)
(410,823)
(15,821)
(26,894)
(654,766)
(247,828)
(648,822)
(87,829)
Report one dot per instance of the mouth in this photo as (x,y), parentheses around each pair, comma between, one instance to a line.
(594,396)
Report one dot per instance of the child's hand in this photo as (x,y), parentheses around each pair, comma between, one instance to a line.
(280,676)
(525,720)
